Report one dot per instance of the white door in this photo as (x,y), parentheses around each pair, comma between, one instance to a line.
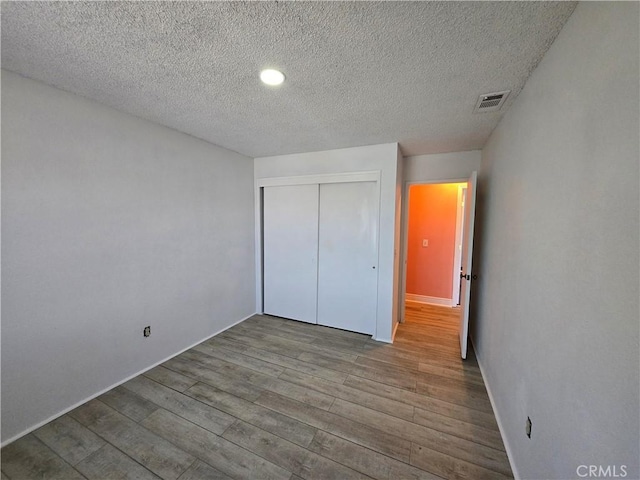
(291,251)
(348,256)
(467,254)
(457,261)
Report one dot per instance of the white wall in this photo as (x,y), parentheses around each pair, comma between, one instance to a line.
(557,321)
(110,223)
(382,158)
(441,166)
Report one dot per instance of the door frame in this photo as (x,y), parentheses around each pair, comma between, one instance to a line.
(405,233)
(260,183)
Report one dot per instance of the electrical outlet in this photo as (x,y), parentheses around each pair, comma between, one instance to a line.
(425,243)
(147,331)
(528,427)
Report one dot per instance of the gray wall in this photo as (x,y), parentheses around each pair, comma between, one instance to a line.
(110,223)
(557,317)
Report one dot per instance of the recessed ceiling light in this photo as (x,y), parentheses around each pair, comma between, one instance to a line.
(271,77)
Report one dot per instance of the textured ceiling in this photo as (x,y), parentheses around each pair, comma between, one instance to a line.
(358,73)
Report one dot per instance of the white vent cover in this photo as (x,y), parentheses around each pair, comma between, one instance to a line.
(490,102)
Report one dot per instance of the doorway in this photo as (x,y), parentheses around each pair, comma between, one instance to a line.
(433,243)
(465,216)
(433,257)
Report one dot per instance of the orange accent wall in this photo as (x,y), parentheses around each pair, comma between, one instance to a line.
(432,216)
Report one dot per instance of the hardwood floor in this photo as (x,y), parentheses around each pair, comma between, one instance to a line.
(277,399)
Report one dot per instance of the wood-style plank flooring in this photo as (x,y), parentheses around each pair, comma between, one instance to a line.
(277,399)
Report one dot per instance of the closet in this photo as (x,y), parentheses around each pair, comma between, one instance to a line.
(320,253)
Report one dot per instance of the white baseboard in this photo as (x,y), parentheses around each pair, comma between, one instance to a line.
(447,302)
(82,402)
(514,470)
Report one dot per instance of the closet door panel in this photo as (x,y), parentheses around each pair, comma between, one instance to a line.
(290,256)
(348,256)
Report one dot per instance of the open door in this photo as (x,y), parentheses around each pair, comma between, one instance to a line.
(467,254)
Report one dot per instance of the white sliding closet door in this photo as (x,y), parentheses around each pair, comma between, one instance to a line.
(348,256)
(291,251)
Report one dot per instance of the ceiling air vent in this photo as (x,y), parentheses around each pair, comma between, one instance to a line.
(490,102)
